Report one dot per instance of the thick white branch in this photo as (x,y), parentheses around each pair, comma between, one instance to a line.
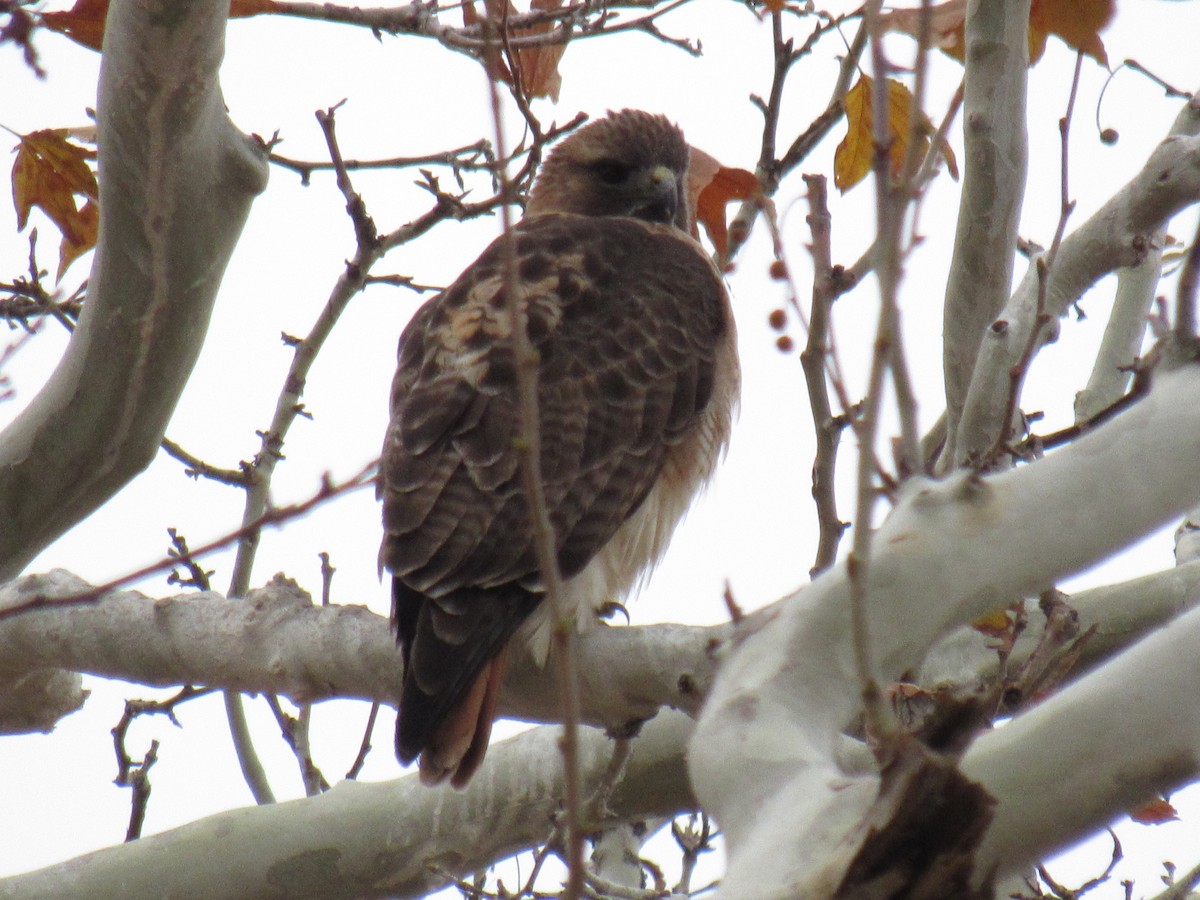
(1120,614)
(1093,751)
(276,641)
(390,839)
(1120,234)
(176,183)
(994,165)
(763,758)
(1121,345)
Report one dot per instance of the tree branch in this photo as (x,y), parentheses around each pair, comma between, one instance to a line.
(177,186)
(994,163)
(389,839)
(276,641)
(788,811)
(1119,234)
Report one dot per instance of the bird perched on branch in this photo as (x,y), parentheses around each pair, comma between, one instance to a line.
(637,379)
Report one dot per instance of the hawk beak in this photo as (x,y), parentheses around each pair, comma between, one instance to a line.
(659,197)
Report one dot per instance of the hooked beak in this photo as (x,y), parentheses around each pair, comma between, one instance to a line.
(659,197)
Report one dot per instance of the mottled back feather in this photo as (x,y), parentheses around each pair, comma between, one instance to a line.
(628,318)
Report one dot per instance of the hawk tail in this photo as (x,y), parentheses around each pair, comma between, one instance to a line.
(455,649)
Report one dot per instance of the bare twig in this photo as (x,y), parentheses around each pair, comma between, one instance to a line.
(813,360)
(136,775)
(529,448)
(580,20)
(198,468)
(1041,317)
(274,516)
(197,576)
(473,157)
(364,746)
(295,730)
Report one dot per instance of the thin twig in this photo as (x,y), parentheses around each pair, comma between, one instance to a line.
(275,516)
(545,543)
(197,468)
(878,716)
(364,746)
(813,361)
(477,156)
(1044,264)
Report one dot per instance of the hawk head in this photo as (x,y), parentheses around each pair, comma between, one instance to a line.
(630,163)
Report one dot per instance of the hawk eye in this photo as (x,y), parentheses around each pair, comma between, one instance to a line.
(612,173)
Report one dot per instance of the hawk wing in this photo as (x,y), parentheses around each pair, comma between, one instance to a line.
(627,319)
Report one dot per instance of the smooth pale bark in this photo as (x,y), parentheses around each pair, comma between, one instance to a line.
(390,839)
(764,756)
(994,164)
(1092,752)
(1119,234)
(276,641)
(176,183)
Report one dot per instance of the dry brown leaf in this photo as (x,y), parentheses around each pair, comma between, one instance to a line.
(84,22)
(537,67)
(946,22)
(1156,812)
(1077,22)
(711,186)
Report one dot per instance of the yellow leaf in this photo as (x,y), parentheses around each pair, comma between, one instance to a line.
(852,159)
(47,173)
(995,624)
(855,155)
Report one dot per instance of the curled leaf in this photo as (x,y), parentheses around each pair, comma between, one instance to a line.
(711,187)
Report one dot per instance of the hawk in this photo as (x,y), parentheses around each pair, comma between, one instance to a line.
(637,380)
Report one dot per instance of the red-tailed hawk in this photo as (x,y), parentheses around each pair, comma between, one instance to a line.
(637,380)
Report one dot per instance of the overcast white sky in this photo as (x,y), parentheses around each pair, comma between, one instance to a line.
(406,97)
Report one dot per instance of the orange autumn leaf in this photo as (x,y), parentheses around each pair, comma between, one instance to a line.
(854,156)
(537,67)
(49,172)
(71,249)
(1077,22)
(711,186)
(1156,812)
(84,22)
